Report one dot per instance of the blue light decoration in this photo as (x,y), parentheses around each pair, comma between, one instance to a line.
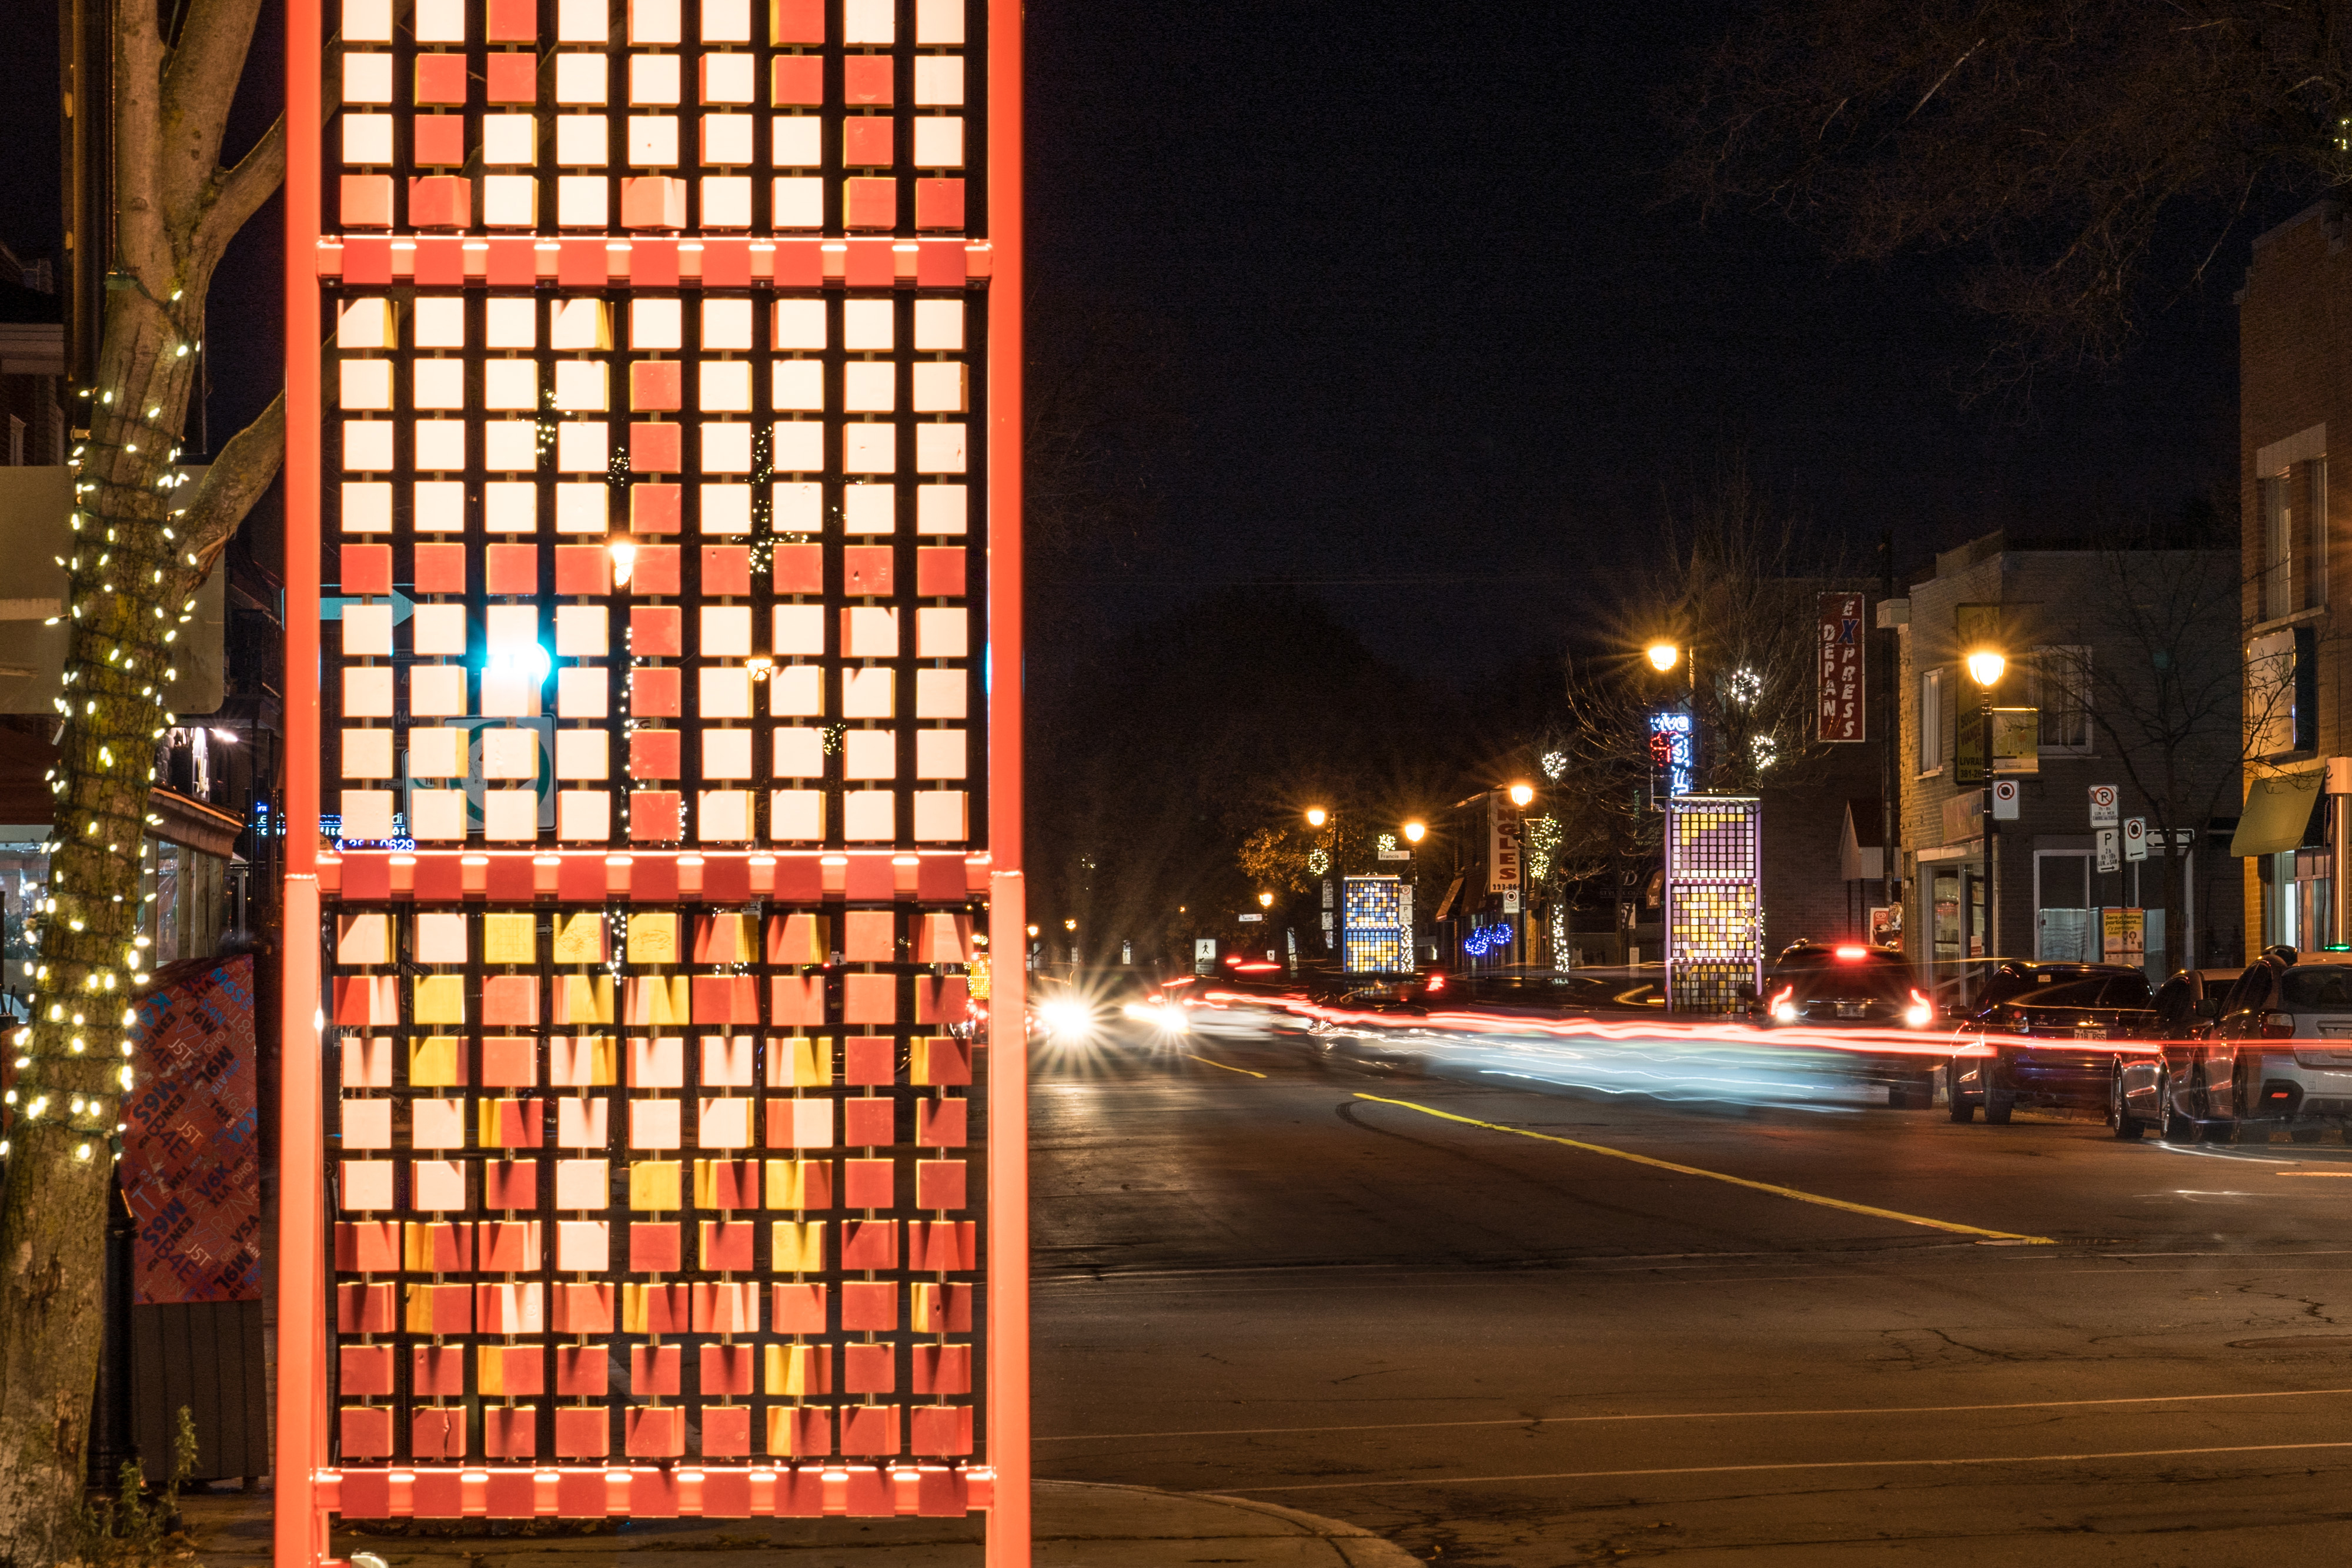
(1674,755)
(1485,939)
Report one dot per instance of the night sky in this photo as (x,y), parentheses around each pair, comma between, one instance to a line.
(1429,342)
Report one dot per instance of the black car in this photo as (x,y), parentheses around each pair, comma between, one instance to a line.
(2083,1004)
(1854,986)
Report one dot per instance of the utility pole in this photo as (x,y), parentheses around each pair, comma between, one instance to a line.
(1890,832)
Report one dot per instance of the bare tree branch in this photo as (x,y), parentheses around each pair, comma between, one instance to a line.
(240,193)
(235,481)
(197,84)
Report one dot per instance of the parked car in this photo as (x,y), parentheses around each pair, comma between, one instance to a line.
(2278,1056)
(1854,986)
(2185,1008)
(2081,1003)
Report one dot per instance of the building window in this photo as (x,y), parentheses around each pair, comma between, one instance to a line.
(2315,499)
(2059,684)
(1931,722)
(2278,548)
(2269,694)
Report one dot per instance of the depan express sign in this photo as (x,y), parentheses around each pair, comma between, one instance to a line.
(1841,666)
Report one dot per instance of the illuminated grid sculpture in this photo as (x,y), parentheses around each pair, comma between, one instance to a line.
(644,457)
(1714,901)
(1376,931)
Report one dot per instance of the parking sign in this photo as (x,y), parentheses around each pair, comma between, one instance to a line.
(2135,838)
(2109,859)
(2102,806)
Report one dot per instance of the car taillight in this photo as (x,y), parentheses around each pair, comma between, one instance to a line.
(2278,1026)
(1919,1013)
(1783,1010)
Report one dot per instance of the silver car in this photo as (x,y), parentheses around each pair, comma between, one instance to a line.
(2280,1054)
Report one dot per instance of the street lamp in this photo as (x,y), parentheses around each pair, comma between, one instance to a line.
(1415,832)
(1316,816)
(1265,901)
(1985,667)
(1521,794)
(1664,656)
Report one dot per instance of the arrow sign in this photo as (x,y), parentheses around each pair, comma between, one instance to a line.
(2135,838)
(332,609)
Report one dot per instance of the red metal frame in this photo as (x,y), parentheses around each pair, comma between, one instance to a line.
(298,1527)
(1008,1067)
(306,1491)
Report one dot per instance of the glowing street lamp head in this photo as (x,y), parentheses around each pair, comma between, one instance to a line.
(1265,901)
(1521,794)
(1985,667)
(1069,926)
(1316,816)
(1415,832)
(1664,656)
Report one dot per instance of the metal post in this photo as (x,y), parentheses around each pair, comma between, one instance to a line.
(1991,842)
(298,1524)
(1008,1070)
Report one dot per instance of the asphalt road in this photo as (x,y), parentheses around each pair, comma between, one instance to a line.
(1499,1348)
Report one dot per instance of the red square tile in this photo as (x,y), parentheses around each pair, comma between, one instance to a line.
(654,693)
(870,1306)
(652,263)
(654,753)
(798,1309)
(939,1183)
(726,570)
(440,140)
(366,1434)
(726,1369)
(869,203)
(364,1370)
(440,261)
(653,1369)
(581,1370)
(510,1433)
(653,509)
(727,1243)
(870,1429)
(868,1122)
(367,569)
(867,142)
(867,1184)
(511,22)
(510,569)
(941,1430)
(867,79)
(798,79)
(583,569)
(799,568)
(867,1059)
(437,1369)
(440,568)
(655,817)
(939,1124)
(441,79)
(654,632)
(869,1369)
(938,573)
(726,1434)
(938,203)
(585,1435)
(796,22)
(513,79)
(656,448)
(869,1244)
(655,1434)
(510,1183)
(942,1369)
(865,568)
(656,571)
(657,385)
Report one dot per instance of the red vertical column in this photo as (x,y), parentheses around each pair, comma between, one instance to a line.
(298,1535)
(1008,1070)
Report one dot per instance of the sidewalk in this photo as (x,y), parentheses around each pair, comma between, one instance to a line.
(1078,1525)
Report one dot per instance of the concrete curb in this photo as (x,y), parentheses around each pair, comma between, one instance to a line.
(1079,1524)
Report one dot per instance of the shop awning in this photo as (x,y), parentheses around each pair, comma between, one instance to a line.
(2278,811)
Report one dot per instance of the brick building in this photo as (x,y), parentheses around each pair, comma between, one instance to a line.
(2081,629)
(2294,385)
(32,364)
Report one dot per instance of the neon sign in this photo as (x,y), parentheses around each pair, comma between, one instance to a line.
(1674,754)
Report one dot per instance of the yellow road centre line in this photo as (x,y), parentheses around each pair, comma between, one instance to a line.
(1788,1192)
(2346,1174)
(1222,1064)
